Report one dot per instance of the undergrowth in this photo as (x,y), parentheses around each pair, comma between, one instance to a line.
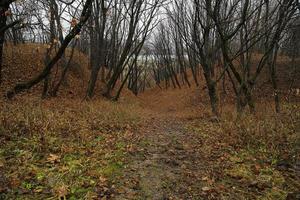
(63,148)
(70,149)
(255,156)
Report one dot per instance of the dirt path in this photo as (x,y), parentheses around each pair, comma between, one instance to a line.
(167,165)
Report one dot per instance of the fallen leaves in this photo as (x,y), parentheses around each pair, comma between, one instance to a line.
(103,180)
(1,163)
(90,142)
(206,189)
(53,158)
(62,192)
(61,154)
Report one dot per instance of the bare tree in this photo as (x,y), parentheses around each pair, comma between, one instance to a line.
(251,33)
(97,34)
(76,30)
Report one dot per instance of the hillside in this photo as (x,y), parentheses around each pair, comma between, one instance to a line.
(24,61)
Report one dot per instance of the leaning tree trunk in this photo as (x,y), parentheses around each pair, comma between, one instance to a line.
(21,87)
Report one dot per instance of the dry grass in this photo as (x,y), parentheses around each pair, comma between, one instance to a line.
(68,148)
(64,147)
(252,157)
(73,149)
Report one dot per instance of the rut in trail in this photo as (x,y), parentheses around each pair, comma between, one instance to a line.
(167,166)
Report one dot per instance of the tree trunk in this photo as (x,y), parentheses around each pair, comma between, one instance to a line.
(46,87)
(3,18)
(213,97)
(99,45)
(274,80)
(175,77)
(62,78)
(116,98)
(250,101)
(212,91)
(27,85)
(1,55)
(244,98)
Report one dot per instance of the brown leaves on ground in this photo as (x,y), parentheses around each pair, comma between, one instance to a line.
(52,158)
(71,150)
(253,157)
(24,61)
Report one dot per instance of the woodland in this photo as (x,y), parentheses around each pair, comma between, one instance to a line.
(150,99)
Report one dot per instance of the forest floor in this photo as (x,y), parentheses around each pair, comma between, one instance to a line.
(161,145)
(183,154)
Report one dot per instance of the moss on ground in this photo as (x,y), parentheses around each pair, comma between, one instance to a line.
(50,151)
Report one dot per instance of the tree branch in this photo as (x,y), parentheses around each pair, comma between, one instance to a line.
(21,87)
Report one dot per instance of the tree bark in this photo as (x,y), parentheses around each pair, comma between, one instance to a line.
(99,51)
(3,9)
(4,6)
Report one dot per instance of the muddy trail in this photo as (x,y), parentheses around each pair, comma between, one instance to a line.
(168,164)
(170,161)
(185,154)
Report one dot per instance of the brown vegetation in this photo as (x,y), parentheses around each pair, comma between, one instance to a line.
(101,149)
(150,99)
